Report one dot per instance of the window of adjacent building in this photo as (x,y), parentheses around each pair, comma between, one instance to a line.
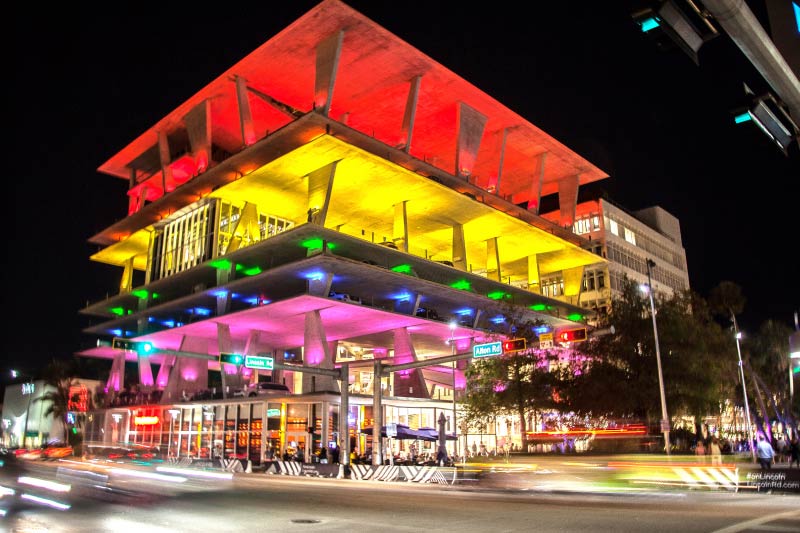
(630,236)
(613,227)
(552,287)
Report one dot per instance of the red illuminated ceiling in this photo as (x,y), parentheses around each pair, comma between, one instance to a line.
(372,87)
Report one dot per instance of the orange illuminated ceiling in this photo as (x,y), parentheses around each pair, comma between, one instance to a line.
(372,86)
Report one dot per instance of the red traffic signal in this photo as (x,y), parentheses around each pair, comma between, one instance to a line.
(513,345)
(572,335)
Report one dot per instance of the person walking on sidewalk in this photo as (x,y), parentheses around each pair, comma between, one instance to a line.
(764,453)
(794,452)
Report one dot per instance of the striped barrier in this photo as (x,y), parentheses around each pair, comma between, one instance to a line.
(232,465)
(709,477)
(411,474)
(679,475)
(294,468)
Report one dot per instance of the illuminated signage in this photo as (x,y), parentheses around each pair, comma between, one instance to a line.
(145,420)
(487,350)
(256,361)
(28,388)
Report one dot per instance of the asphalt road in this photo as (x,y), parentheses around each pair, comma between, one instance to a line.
(266,503)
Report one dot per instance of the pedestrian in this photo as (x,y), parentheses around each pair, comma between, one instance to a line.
(700,450)
(794,452)
(764,453)
(716,451)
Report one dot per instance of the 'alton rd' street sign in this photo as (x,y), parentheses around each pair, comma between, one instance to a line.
(255,361)
(486,350)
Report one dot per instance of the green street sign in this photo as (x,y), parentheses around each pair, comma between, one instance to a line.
(256,361)
(487,350)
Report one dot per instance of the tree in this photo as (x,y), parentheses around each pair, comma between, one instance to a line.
(58,375)
(619,378)
(515,383)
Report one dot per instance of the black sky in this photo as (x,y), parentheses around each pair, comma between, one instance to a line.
(86,82)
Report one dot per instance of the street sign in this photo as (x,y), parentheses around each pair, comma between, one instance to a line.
(391,430)
(664,425)
(487,350)
(545,340)
(259,362)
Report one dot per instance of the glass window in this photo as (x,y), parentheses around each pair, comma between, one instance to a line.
(613,227)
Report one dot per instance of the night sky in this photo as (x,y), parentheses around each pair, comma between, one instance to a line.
(84,83)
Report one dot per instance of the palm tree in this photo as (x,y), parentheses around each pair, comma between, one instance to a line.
(58,376)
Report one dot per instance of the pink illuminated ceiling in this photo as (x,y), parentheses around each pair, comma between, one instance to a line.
(281,325)
(372,87)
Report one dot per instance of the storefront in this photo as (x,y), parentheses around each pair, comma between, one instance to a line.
(257,430)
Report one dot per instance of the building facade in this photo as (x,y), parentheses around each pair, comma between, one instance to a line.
(338,213)
(626,240)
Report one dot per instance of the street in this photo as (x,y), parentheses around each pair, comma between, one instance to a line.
(263,503)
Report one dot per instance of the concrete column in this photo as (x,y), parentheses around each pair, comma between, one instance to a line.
(400,228)
(377,414)
(344,426)
(533,274)
(492,259)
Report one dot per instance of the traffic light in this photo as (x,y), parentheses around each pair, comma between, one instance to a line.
(513,345)
(572,335)
(140,347)
(676,23)
(231,358)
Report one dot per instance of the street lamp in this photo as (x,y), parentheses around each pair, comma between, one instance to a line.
(738,335)
(27,389)
(664,417)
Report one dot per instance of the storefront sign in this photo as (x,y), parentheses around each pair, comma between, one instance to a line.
(145,420)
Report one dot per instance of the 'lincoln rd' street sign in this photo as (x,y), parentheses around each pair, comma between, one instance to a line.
(487,350)
(255,361)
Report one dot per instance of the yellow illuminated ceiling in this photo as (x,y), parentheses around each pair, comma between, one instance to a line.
(365,190)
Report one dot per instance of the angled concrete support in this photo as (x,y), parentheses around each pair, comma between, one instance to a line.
(165,159)
(320,185)
(470,132)
(411,111)
(245,113)
(327,65)
(492,259)
(145,371)
(198,127)
(459,248)
(116,377)
(188,375)
(573,278)
(536,185)
(317,352)
(567,200)
(408,383)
